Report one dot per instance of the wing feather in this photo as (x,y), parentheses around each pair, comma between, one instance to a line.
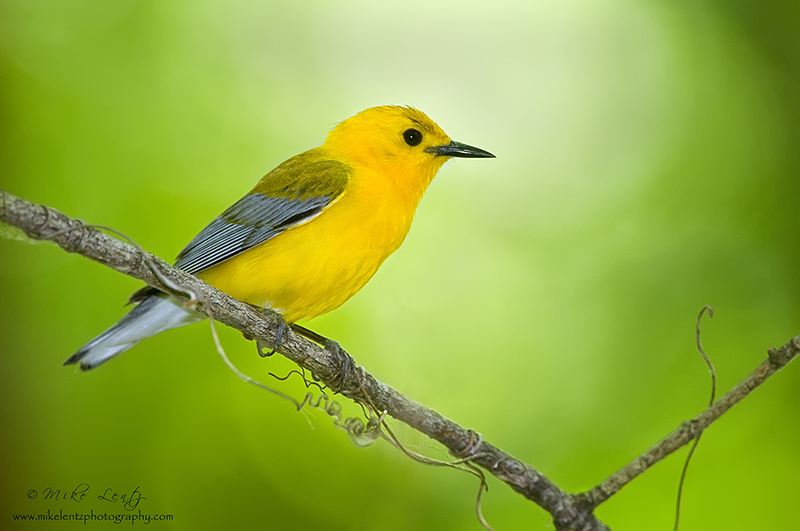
(293,193)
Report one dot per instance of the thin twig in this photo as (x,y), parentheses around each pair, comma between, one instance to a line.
(240,374)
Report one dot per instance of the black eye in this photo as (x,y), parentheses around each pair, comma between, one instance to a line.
(412,137)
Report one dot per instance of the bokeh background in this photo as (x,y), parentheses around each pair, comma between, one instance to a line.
(646,166)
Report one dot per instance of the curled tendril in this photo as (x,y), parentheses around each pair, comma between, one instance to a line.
(713,373)
(308,383)
(362,434)
(471,448)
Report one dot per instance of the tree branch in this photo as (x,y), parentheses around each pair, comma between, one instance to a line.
(689,430)
(569,511)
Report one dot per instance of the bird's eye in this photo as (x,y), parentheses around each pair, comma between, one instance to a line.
(412,137)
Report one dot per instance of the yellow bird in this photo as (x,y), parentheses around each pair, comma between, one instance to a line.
(311,233)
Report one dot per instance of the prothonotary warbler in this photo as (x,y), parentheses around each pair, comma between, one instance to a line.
(311,233)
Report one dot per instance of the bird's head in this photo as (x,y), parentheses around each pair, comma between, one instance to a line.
(401,143)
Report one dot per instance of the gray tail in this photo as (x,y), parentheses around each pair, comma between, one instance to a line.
(154,314)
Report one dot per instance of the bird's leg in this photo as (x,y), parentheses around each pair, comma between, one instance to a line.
(346,364)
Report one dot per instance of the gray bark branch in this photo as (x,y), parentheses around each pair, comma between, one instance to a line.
(569,511)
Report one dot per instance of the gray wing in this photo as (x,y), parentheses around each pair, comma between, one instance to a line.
(293,193)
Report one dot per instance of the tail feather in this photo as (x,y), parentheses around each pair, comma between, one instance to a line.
(156,313)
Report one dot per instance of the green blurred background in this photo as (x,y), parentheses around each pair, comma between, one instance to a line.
(646,166)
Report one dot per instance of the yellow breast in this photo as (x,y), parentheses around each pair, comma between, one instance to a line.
(314,268)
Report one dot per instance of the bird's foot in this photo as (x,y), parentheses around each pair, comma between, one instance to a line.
(345,364)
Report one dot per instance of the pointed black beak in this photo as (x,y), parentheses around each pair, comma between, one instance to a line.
(457,149)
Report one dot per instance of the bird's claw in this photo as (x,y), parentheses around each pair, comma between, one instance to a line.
(278,340)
